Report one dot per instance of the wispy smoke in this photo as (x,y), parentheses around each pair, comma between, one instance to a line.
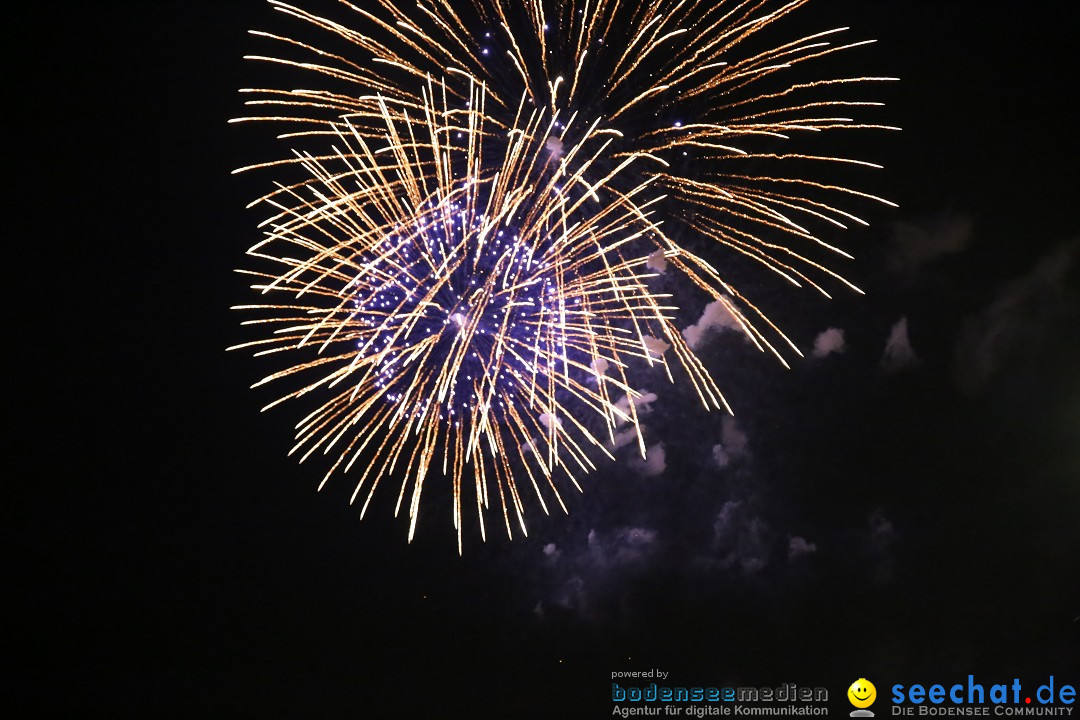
(715,318)
(642,406)
(656,261)
(828,342)
(798,547)
(916,243)
(741,539)
(1019,320)
(654,463)
(898,351)
(732,445)
(588,576)
(883,537)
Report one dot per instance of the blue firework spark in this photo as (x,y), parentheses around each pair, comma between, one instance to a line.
(443,281)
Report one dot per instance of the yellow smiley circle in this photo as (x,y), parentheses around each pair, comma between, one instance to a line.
(862,693)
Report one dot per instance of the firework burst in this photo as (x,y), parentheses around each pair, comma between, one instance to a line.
(461,259)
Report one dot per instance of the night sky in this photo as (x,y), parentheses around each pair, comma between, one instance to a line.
(905,510)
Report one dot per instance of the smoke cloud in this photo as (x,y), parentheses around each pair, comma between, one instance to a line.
(828,342)
(715,318)
(898,351)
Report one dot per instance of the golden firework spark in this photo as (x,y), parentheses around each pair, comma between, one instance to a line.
(460,267)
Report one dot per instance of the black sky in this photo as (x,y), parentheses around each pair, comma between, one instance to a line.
(170,559)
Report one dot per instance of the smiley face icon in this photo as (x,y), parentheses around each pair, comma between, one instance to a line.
(862,693)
